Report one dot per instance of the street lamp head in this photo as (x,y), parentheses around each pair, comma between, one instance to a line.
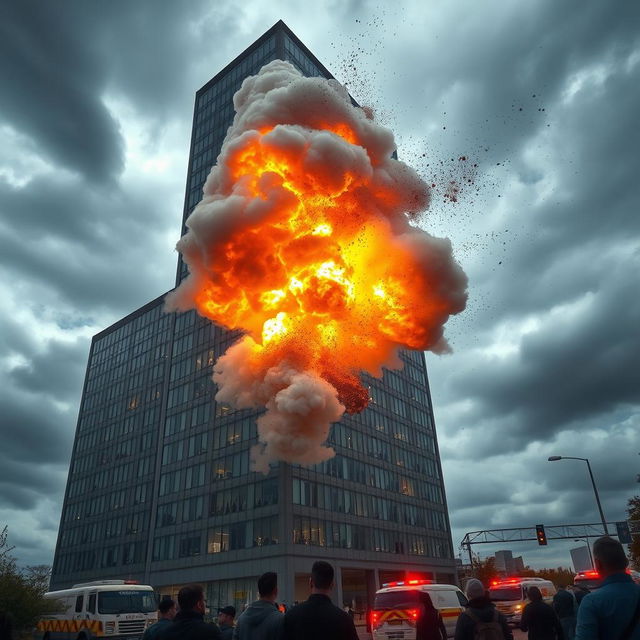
(554,458)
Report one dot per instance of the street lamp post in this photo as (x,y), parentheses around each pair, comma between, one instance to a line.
(593,482)
(586,540)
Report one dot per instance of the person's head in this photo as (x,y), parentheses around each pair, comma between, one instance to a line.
(425,599)
(321,580)
(167,609)
(534,594)
(226,615)
(268,586)
(474,589)
(609,556)
(191,598)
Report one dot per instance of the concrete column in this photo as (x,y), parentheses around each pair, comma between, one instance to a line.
(337,590)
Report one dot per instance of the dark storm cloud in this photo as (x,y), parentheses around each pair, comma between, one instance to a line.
(70,243)
(59,62)
(52,82)
(42,374)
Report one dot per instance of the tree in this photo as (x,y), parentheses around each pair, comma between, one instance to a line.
(21,592)
(634,548)
(485,570)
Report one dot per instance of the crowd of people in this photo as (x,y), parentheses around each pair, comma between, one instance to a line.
(610,613)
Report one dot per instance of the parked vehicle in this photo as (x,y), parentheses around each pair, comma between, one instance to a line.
(119,609)
(510,595)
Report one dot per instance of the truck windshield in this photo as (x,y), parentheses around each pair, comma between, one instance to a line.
(126,601)
(506,593)
(397,599)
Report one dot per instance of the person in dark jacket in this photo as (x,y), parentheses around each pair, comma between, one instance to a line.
(318,618)
(225,621)
(565,605)
(539,618)
(430,625)
(261,620)
(613,610)
(479,609)
(189,622)
(166,614)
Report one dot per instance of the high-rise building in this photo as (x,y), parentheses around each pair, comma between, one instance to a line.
(160,488)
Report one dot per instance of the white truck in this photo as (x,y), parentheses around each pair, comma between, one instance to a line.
(119,609)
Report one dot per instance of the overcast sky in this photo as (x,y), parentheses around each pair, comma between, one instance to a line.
(95,115)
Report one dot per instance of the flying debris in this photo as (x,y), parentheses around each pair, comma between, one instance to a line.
(304,240)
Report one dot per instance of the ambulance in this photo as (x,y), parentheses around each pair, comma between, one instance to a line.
(119,609)
(397,608)
(510,595)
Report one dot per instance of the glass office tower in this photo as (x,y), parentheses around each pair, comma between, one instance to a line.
(159,487)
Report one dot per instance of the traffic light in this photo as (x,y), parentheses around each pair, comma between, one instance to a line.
(541,535)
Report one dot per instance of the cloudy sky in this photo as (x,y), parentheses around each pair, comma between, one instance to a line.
(95,115)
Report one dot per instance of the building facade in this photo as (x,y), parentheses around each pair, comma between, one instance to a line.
(159,486)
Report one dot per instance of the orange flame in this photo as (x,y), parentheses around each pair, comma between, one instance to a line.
(304,241)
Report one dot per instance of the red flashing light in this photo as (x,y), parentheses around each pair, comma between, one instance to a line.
(375,619)
(131,582)
(414,613)
(402,583)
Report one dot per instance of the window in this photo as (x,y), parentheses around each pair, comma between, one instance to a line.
(91,607)
(79,602)
(189,546)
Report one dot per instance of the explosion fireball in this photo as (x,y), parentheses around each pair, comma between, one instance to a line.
(303,240)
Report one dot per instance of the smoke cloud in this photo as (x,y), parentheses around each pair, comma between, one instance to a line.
(304,240)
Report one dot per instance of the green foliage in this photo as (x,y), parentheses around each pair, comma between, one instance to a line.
(634,548)
(21,592)
(485,570)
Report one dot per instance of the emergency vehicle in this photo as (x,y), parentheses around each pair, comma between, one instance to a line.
(119,609)
(510,595)
(397,608)
(591,579)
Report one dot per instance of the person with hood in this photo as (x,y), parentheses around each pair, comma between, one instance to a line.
(261,620)
(481,618)
(540,619)
(565,605)
(430,625)
(189,622)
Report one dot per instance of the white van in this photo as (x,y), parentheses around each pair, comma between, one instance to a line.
(119,609)
(397,608)
(510,595)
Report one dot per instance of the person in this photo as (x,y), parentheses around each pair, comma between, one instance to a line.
(540,619)
(579,592)
(189,622)
(611,612)
(261,620)
(225,621)
(430,625)
(565,606)
(166,614)
(480,615)
(318,618)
